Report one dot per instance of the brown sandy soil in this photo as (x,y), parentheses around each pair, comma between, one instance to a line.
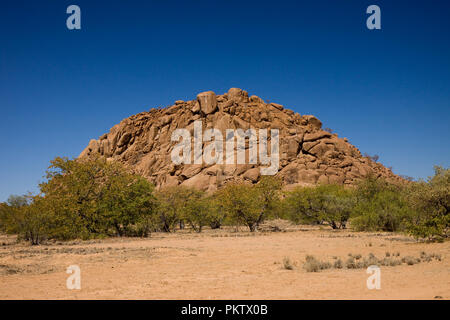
(220,264)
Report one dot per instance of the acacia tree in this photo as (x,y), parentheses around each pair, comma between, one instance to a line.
(34,222)
(217,211)
(380,206)
(338,204)
(268,192)
(241,202)
(93,197)
(197,210)
(430,204)
(328,203)
(12,212)
(251,204)
(171,207)
(9,212)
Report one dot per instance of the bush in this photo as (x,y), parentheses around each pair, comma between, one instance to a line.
(429,203)
(34,222)
(287,264)
(251,204)
(83,199)
(171,206)
(325,203)
(241,203)
(11,210)
(338,264)
(217,212)
(27,217)
(197,209)
(314,265)
(380,206)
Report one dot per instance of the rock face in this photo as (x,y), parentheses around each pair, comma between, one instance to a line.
(308,155)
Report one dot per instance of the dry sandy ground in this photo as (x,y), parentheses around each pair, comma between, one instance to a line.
(220,264)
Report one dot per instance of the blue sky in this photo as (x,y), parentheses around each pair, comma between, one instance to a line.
(387,91)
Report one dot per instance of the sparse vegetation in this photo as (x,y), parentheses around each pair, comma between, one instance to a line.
(331,204)
(312,264)
(96,198)
(81,199)
(380,206)
(357,261)
(429,203)
(374,158)
(338,264)
(287,264)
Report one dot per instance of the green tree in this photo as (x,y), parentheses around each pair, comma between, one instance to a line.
(35,221)
(172,203)
(242,204)
(328,203)
(268,192)
(11,212)
(197,210)
(380,206)
(27,216)
(91,198)
(217,212)
(430,202)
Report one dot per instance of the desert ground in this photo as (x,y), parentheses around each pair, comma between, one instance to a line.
(221,264)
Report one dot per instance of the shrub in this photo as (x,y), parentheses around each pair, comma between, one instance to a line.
(197,210)
(217,213)
(325,203)
(84,199)
(171,205)
(251,204)
(351,263)
(374,158)
(287,264)
(380,206)
(387,261)
(338,264)
(241,204)
(410,260)
(430,204)
(314,265)
(11,210)
(30,220)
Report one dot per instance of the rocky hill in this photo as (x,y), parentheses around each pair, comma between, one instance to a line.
(307,154)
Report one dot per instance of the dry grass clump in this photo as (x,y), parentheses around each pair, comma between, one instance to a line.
(351,263)
(428,257)
(338,264)
(410,260)
(287,264)
(357,261)
(314,265)
(11,269)
(390,261)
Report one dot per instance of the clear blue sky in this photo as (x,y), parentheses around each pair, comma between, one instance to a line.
(387,90)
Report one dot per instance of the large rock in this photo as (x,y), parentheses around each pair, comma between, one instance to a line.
(252,174)
(207,101)
(308,155)
(237,95)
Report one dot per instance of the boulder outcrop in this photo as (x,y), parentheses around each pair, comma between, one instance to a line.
(308,155)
